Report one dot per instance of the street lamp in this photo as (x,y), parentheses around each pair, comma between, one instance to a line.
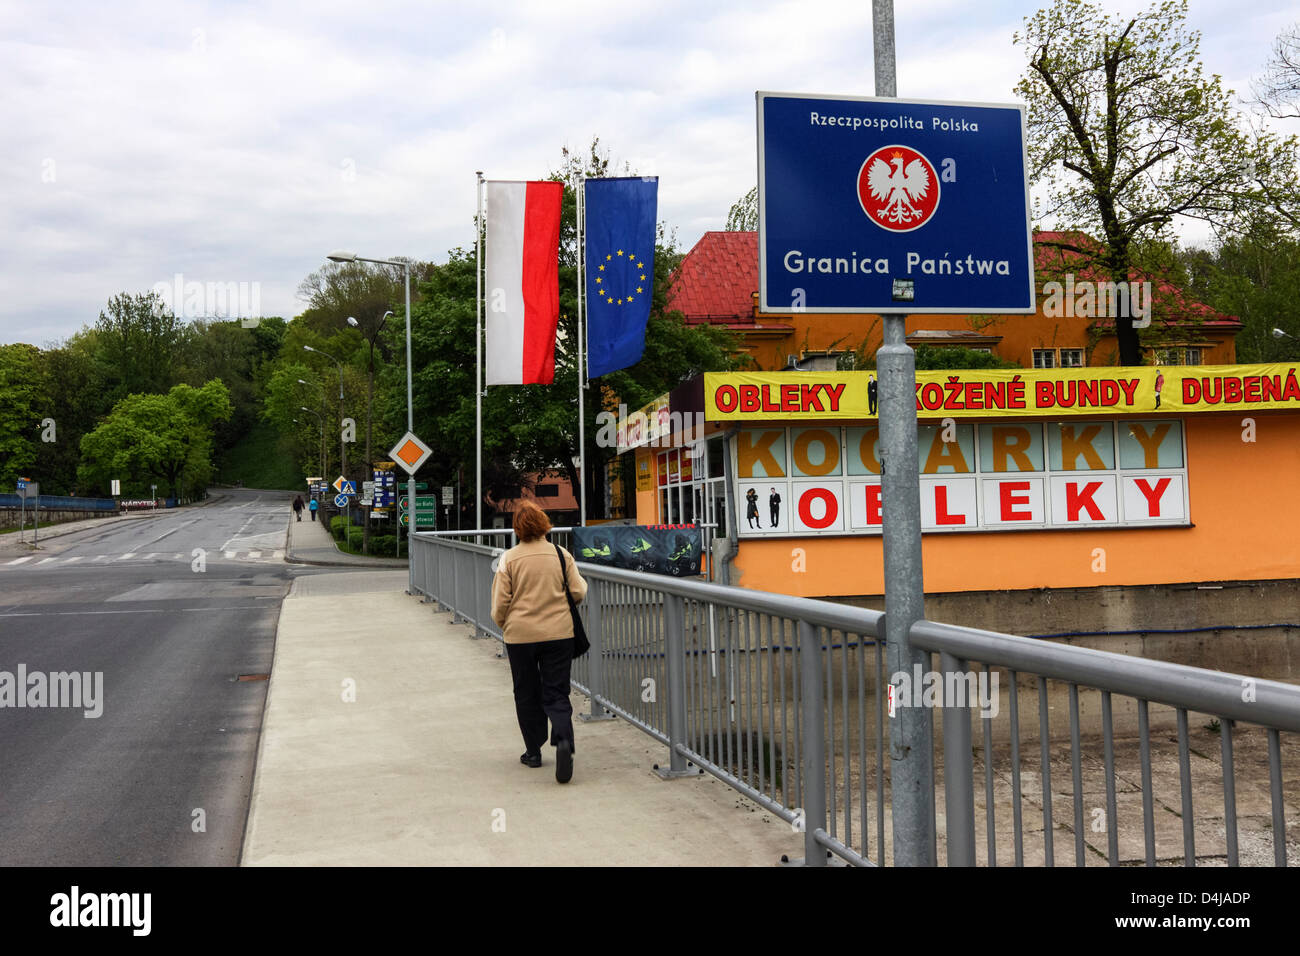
(343,256)
(1279,334)
(324,463)
(370,396)
(343,457)
(321,422)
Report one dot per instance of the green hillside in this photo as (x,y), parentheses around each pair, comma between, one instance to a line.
(261,459)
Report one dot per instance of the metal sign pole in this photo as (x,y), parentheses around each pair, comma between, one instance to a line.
(911,730)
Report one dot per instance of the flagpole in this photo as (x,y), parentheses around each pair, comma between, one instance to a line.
(582,281)
(478,359)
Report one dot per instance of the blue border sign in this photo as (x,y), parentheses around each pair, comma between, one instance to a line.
(887,205)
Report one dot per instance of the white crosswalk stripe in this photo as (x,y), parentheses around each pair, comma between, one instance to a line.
(58,561)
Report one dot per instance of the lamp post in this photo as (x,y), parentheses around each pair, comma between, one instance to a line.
(343,457)
(340,256)
(324,462)
(321,422)
(370,397)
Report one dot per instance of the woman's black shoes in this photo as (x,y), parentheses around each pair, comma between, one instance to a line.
(530,760)
(563,762)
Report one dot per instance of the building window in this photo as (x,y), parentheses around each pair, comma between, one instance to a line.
(1193,357)
(547,491)
(1071,358)
(1169,356)
(1044,358)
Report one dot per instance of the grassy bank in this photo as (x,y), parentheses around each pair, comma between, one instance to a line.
(260,460)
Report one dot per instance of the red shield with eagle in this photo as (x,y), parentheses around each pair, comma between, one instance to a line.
(898,188)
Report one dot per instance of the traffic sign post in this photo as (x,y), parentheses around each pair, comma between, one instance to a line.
(410,453)
(891,206)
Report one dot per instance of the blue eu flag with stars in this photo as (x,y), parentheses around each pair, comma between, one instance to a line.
(620,248)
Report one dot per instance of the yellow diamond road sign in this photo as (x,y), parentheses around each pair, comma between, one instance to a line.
(410,452)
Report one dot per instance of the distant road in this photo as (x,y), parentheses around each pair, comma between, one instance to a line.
(163,776)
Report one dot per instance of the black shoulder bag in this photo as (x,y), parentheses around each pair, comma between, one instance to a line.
(580,643)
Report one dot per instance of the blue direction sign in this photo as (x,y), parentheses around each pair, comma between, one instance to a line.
(886,205)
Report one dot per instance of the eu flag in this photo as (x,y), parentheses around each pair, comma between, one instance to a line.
(620,249)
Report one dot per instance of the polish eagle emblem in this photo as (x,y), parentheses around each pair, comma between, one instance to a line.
(898,188)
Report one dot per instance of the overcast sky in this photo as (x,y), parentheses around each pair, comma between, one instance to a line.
(240,142)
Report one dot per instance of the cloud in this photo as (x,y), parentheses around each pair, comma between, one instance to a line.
(241,142)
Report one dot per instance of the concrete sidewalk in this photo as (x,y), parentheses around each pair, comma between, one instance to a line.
(423,767)
(309,542)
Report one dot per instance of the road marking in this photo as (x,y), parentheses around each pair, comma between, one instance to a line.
(45,561)
(127,556)
(230,555)
(278,556)
(146,610)
(255,554)
(183,524)
(19,561)
(72,560)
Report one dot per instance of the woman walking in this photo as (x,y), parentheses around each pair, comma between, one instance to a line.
(529,605)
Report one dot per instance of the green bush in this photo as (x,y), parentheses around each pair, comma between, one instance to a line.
(385,546)
(355,536)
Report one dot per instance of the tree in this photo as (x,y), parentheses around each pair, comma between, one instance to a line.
(137,338)
(77,397)
(1126,134)
(743,216)
(22,397)
(167,437)
(1278,90)
(1256,277)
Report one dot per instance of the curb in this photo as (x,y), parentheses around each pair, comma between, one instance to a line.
(344,560)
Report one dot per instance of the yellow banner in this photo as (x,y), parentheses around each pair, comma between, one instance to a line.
(995,393)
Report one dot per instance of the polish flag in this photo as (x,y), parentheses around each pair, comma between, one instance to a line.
(522,294)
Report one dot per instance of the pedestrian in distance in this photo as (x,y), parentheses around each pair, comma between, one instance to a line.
(313,507)
(530,607)
(297,507)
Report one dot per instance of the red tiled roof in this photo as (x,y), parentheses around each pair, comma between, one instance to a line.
(717,279)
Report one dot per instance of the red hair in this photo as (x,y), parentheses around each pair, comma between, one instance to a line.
(531,522)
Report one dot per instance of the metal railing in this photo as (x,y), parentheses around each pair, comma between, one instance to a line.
(786,700)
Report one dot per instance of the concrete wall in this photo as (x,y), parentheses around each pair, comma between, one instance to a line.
(1246,627)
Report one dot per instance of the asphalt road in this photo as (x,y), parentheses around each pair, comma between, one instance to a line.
(172,611)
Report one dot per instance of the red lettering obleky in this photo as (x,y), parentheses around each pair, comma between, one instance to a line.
(1009,500)
(941,515)
(873,504)
(1152,495)
(805,508)
(1076,499)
